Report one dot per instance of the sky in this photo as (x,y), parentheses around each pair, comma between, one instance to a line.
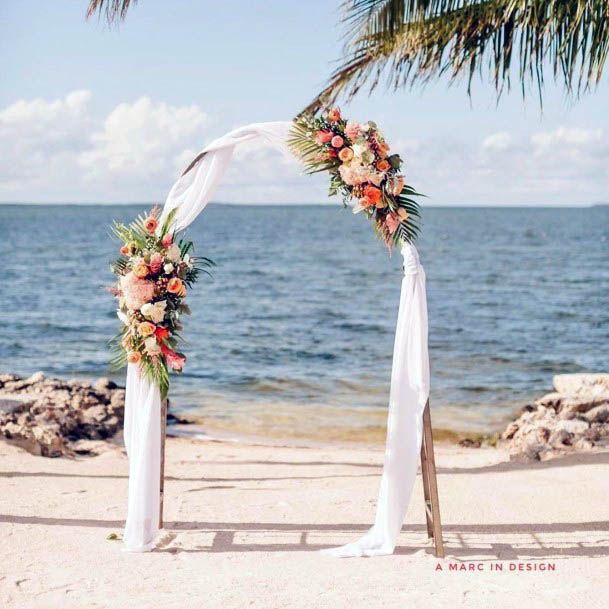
(98,114)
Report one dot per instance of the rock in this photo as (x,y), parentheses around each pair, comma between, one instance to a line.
(575,384)
(598,414)
(49,417)
(103,384)
(574,417)
(560,438)
(574,426)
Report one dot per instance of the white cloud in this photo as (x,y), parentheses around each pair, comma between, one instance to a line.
(60,150)
(497,141)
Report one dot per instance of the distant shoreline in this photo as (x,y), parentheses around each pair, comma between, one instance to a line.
(310,204)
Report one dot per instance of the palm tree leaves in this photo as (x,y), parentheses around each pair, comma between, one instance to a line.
(114,10)
(410,42)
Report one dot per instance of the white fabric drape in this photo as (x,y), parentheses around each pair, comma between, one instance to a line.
(142,432)
(409,378)
(407,399)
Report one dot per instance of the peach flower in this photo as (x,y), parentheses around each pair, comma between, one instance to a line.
(125,251)
(337,141)
(140,269)
(333,115)
(365,202)
(345,155)
(323,137)
(134,357)
(151,224)
(373,193)
(383,165)
(174,285)
(167,240)
(146,329)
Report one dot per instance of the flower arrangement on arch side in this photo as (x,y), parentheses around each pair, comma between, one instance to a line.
(154,272)
(361,170)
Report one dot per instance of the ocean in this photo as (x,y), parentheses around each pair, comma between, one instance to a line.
(293,336)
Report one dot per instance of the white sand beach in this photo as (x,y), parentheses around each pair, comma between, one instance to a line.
(244,523)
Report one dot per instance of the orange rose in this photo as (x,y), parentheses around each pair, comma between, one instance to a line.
(151,224)
(383,165)
(373,193)
(345,155)
(125,251)
(134,357)
(175,285)
(146,329)
(140,270)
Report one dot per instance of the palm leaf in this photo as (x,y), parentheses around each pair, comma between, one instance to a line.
(410,42)
(113,10)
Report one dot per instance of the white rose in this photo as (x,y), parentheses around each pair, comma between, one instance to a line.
(168,268)
(154,312)
(152,347)
(173,253)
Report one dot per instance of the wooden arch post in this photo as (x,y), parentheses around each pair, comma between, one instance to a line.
(430,485)
(164,409)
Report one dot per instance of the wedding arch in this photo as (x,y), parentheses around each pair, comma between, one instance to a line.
(153,262)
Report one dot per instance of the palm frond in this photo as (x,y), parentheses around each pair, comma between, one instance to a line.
(410,42)
(113,10)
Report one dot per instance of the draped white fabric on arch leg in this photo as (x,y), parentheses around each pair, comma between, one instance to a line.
(409,376)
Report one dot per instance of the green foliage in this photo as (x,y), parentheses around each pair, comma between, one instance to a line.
(409,42)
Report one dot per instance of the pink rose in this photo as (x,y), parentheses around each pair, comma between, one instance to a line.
(323,137)
(156,262)
(352,130)
(167,240)
(337,141)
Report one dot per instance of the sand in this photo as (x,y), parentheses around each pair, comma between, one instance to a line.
(244,523)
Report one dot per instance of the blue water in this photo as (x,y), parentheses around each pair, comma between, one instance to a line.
(296,329)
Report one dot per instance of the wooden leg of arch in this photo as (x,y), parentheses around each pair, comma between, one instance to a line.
(164,408)
(430,485)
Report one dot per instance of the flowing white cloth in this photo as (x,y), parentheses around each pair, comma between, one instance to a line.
(407,399)
(409,378)
(190,194)
(142,433)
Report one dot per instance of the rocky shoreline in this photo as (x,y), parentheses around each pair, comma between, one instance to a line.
(572,418)
(52,417)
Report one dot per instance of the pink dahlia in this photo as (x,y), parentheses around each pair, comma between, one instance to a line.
(137,292)
(352,130)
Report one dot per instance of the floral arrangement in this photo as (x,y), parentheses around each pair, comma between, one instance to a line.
(154,272)
(361,170)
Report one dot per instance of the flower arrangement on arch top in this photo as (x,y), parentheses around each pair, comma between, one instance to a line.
(154,273)
(361,170)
